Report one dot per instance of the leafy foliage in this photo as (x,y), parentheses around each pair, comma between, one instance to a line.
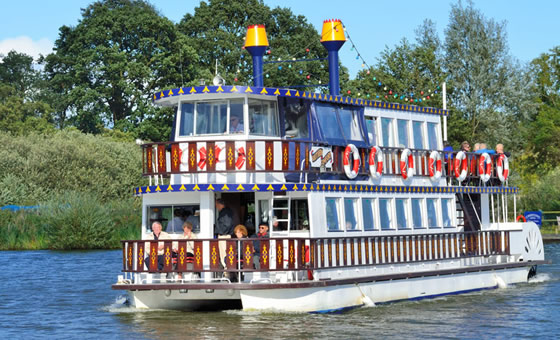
(217,30)
(106,68)
(483,78)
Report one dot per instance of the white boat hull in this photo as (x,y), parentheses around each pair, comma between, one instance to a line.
(188,301)
(333,298)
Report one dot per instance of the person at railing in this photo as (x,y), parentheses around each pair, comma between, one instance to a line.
(262,233)
(484,148)
(500,150)
(157,234)
(235,126)
(223,227)
(188,235)
(240,232)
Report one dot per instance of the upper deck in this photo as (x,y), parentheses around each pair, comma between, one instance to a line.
(247,134)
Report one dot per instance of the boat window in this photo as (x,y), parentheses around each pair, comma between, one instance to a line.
(370,124)
(186,127)
(432,214)
(417,213)
(264,206)
(296,118)
(328,121)
(402,208)
(446,212)
(367,210)
(172,217)
(402,127)
(350,125)
(387,131)
(432,136)
(385,213)
(211,117)
(299,218)
(263,118)
(281,215)
(236,121)
(332,214)
(350,205)
(418,134)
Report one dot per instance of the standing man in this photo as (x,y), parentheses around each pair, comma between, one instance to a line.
(263,233)
(224,227)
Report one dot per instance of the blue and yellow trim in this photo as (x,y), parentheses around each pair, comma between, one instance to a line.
(272,91)
(232,187)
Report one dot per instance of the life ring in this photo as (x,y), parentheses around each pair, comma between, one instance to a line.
(351,173)
(407,164)
(375,155)
(502,167)
(461,166)
(484,171)
(434,166)
(520,217)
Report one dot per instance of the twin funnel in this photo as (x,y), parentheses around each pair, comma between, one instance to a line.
(332,38)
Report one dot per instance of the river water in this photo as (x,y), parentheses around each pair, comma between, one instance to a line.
(68,295)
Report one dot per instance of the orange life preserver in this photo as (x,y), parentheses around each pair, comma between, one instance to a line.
(434,166)
(485,171)
(375,155)
(407,164)
(520,217)
(461,166)
(353,172)
(502,167)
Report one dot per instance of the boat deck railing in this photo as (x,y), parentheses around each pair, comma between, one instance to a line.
(285,156)
(293,254)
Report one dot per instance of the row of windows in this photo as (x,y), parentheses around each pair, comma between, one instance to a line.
(398,132)
(226,116)
(387,213)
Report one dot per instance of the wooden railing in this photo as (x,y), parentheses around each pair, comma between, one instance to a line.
(286,157)
(281,254)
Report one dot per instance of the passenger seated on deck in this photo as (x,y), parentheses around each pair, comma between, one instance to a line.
(262,233)
(157,234)
(188,235)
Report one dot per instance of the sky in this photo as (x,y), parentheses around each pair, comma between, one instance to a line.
(533,27)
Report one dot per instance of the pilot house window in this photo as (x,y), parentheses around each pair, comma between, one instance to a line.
(263,118)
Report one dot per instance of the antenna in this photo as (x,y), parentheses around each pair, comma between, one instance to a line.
(218,80)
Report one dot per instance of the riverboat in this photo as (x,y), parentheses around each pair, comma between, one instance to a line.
(363,205)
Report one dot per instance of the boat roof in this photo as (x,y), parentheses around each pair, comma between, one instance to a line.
(172,97)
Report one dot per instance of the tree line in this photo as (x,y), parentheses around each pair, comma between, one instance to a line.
(102,72)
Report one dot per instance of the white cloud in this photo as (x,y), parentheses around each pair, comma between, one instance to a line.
(26,45)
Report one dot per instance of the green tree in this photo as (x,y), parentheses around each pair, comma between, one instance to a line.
(217,31)
(408,73)
(106,68)
(489,90)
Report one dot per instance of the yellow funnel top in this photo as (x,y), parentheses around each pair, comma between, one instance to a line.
(256,36)
(332,31)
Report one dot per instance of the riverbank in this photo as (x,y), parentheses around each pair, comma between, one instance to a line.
(551,237)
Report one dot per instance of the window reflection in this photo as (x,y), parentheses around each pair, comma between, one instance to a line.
(418,135)
(402,126)
(417,213)
(263,118)
(432,136)
(402,219)
(367,210)
(432,215)
(387,131)
(332,214)
(350,213)
(385,213)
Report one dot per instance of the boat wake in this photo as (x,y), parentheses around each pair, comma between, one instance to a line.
(541,277)
(122,305)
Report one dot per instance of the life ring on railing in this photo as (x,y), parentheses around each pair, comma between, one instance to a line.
(184,156)
(434,166)
(502,167)
(485,170)
(520,217)
(407,164)
(375,162)
(351,173)
(461,166)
